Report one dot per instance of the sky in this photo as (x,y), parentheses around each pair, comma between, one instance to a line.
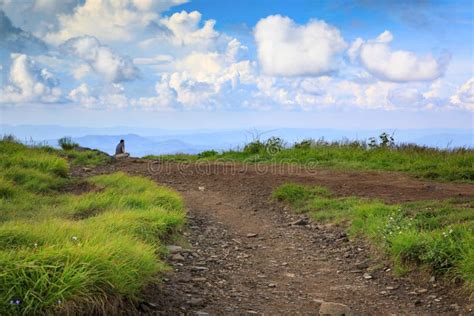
(181,64)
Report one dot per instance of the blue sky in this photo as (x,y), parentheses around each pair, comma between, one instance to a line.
(217,64)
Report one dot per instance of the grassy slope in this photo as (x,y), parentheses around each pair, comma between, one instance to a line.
(421,161)
(438,235)
(61,251)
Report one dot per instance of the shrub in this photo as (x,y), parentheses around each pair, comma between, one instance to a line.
(66,143)
(255,147)
(207,154)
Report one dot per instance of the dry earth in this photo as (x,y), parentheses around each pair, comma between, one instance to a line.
(245,254)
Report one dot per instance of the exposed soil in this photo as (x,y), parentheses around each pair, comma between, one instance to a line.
(245,257)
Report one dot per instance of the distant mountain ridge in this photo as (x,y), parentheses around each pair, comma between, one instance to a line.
(145,141)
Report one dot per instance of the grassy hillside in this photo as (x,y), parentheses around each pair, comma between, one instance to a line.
(438,235)
(377,154)
(82,250)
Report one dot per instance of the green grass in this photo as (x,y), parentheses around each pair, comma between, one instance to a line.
(63,252)
(449,165)
(438,235)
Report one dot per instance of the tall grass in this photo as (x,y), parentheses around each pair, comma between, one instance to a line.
(443,164)
(438,235)
(63,252)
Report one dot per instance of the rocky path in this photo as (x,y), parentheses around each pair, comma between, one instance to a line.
(247,254)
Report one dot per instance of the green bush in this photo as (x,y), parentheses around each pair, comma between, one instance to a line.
(66,143)
(207,154)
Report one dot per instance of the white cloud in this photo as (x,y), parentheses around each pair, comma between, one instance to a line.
(111,96)
(81,71)
(28,83)
(155,60)
(185,28)
(109,20)
(82,95)
(399,65)
(287,49)
(103,60)
(464,97)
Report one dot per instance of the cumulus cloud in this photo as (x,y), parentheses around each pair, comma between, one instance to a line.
(285,48)
(464,97)
(381,61)
(109,19)
(201,81)
(103,60)
(110,96)
(28,83)
(185,28)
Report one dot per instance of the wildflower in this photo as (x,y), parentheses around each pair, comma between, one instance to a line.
(15,301)
(35,245)
(74,238)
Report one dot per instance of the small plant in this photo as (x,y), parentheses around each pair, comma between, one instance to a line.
(207,154)
(10,139)
(304,144)
(66,143)
(274,145)
(254,147)
(385,141)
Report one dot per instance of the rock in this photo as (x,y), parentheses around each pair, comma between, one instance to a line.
(271,285)
(198,268)
(334,309)
(433,279)
(367,276)
(85,169)
(251,235)
(201,313)
(201,189)
(421,291)
(174,249)
(300,222)
(362,264)
(177,257)
(195,301)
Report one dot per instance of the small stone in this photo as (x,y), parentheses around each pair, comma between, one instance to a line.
(284,264)
(300,222)
(201,189)
(201,313)
(252,312)
(199,279)
(195,301)
(174,249)
(362,264)
(85,169)
(421,291)
(198,268)
(391,288)
(177,257)
(334,309)
(433,279)
(271,285)
(251,235)
(367,276)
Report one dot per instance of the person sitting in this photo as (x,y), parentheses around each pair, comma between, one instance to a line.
(120,150)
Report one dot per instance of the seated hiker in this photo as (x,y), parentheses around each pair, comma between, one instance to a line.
(120,150)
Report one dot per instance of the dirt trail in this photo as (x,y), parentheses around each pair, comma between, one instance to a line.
(246,258)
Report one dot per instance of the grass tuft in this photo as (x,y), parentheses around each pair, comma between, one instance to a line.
(438,235)
(59,250)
